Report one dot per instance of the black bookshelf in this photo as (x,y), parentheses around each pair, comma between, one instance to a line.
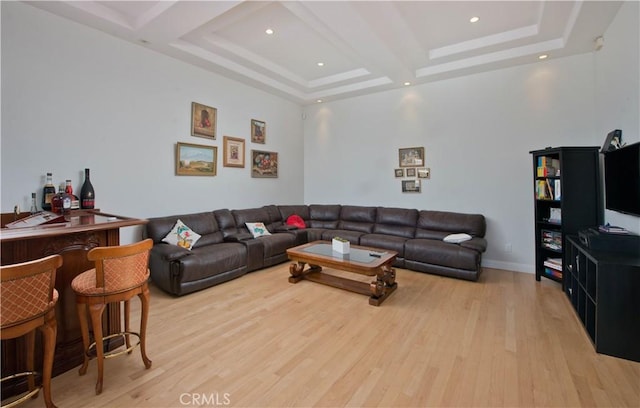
(567,199)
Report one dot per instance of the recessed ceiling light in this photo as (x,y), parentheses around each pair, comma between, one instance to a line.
(407,83)
(319,100)
(321,64)
(269,31)
(543,56)
(474,19)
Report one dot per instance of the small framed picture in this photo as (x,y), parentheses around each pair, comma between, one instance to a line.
(258,131)
(410,186)
(399,172)
(203,120)
(233,151)
(411,172)
(424,173)
(411,156)
(264,164)
(196,160)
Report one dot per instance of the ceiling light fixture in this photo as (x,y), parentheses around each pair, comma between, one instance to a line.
(407,83)
(321,64)
(269,31)
(543,56)
(474,19)
(319,100)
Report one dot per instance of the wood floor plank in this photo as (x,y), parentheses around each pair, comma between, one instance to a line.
(259,341)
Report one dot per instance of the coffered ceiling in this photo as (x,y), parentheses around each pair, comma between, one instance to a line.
(325,50)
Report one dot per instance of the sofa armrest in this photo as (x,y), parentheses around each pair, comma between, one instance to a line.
(240,236)
(170,252)
(477,243)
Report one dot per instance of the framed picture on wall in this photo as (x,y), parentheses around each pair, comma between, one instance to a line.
(196,160)
(399,172)
(233,151)
(264,164)
(411,172)
(258,131)
(424,173)
(410,186)
(203,120)
(411,156)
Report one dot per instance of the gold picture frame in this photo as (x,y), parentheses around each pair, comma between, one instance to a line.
(424,173)
(233,152)
(411,156)
(264,164)
(204,120)
(258,131)
(196,160)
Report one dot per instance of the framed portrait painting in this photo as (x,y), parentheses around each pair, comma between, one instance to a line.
(233,150)
(195,160)
(258,131)
(411,156)
(203,120)
(264,164)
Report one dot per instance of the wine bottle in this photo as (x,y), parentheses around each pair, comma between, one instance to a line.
(48,191)
(87,194)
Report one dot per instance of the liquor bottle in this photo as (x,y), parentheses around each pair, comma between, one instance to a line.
(61,202)
(87,194)
(75,204)
(34,207)
(48,192)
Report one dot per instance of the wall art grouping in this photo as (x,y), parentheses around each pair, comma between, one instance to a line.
(202,160)
(410,162)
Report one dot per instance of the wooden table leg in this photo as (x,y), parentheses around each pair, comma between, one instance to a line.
(383,286)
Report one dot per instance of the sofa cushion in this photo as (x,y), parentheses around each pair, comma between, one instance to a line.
(182,236)
(451,222)
(300,210)
(396,221)
(296,221)
(441,253)
(381,241)
(209,261)
(203,223)
(257,229)
(357,218)
(324,215)
(277,244)
(351,236)
(250,215)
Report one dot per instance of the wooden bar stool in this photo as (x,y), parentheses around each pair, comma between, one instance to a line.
(120,273)
(28,303)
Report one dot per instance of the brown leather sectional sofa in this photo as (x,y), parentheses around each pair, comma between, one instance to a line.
(227,250)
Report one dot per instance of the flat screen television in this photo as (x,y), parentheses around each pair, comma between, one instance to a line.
(622,179)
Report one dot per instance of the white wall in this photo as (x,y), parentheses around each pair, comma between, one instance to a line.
(618,89)
(73,97)
(477,132)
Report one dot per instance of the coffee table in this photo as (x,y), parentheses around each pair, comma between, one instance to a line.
(361,260)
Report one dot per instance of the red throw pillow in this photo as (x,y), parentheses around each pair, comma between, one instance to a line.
(296,220)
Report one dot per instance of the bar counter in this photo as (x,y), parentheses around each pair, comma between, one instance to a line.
(81,231)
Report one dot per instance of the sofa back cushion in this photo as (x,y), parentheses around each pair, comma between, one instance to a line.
(400,222)
(301,210)
(275,218)
(357,218)
(226,222)
(250,215)
(438,224)
(204,224)
(324,215)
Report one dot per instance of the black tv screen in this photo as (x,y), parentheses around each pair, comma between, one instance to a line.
(622,179)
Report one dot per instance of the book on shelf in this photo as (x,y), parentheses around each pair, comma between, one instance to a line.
(553,263)
(553,272)
(555,215)
(552,240)
(612,229)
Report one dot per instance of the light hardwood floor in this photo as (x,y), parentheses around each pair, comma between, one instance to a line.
(260,341)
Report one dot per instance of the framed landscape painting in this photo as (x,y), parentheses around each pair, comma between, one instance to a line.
(195,160)
(411,156)
(264,164)
(203,120)
(233,150)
